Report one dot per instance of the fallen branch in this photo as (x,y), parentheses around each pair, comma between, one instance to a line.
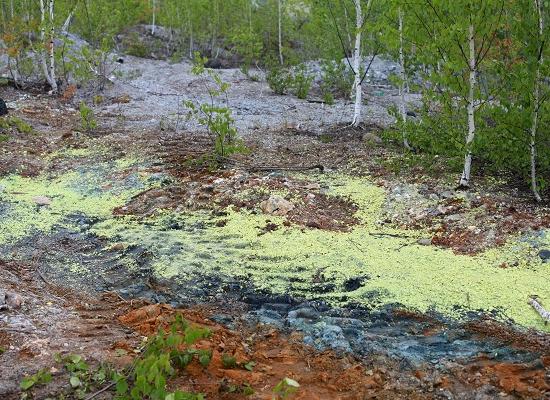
(540,309)
(276,168)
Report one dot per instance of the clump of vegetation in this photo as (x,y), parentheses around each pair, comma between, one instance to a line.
(215,115)
(163,356)
(42,377)
(301,82)
(337,80)
(248,46)
(21,126)
(88,123)
(279,80)
(135,47)
(285,388)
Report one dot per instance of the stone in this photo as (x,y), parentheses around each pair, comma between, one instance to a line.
(371,138)
(3,108)
(276,205)
(425,242)
(42,200)
(13,300)
(544,255)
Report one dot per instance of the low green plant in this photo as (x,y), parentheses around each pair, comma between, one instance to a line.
(279,80)
(17,123)
(135,47)
(285,388)
(87,119)
(228,361)
(215,115)
(336,80)
(4,137)
(301,82)
(42,377)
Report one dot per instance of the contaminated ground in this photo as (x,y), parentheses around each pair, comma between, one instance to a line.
(378,281)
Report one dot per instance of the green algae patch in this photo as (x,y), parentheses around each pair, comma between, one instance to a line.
(318,264)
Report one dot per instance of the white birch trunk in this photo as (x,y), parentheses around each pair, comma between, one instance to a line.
(45,68)
(51,49)
(357,64)
(465,178)
(67,22)
(279,12)
(402,89)
(536,104)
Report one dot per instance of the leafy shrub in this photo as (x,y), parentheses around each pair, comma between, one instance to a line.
(301,82)
(337,80)
(215,115)
(248,46)
(87,119)
(17,123)
(279,80)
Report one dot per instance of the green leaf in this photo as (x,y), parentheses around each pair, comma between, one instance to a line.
(249,365)
(75,381)
(27,382)
(122,387)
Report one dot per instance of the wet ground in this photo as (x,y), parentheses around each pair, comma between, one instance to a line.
(119,211)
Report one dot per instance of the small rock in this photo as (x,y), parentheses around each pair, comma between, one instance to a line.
(276,205)
(3,108)
(13,300)
(425,242)
(544,255)
(42,200)
(371,138)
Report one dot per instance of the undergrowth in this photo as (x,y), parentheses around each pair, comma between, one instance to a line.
(161,359)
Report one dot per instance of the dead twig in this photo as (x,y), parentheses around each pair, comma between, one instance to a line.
(93,395)
(540,309)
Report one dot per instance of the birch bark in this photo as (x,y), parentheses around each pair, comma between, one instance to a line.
(465,178)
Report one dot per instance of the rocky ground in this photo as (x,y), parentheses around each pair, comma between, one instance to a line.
(295,254)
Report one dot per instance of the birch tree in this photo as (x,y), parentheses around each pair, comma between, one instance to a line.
(280,30)
(539,11)
(357,84)
(460,35)
(48,55)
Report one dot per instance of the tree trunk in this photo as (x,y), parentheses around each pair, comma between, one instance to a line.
(357,63)
(465,179)
(51,49)
(279,14)
(402,104)
(153,28)
(536,102)
(45,68)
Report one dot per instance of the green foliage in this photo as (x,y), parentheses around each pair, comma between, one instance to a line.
(279,80)
(337,80)
(17,123)
(88,122)
(301,82)
(285,388)
(248,45)
(228,361)
(215,115)
(42,377)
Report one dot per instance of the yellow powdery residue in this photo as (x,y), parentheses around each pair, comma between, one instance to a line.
(291,260)
(25,216)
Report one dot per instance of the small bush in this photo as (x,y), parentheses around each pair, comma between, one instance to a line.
(301,82)
(337,80)
(87,119)
(279,80)
(215,115)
